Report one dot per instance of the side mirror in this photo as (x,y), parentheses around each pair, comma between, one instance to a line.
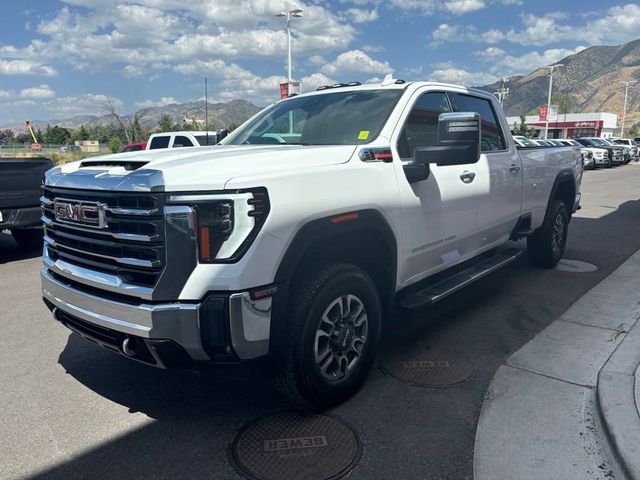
(458,141)
(221,134)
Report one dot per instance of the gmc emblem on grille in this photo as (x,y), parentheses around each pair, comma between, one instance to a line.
(86,213)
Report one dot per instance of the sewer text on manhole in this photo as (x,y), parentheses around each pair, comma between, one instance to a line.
(426,367)
(296,446)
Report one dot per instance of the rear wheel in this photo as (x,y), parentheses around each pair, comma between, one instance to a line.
(546,246)
(332,336)
(28,238)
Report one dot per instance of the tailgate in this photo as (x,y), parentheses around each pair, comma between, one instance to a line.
(20,181)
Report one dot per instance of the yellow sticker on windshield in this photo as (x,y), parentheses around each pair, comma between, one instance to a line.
(364,134)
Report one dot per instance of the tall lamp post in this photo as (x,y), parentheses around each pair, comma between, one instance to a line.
(293,13)
(624,109)
(551,68)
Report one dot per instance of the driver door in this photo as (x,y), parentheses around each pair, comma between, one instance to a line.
(439,213)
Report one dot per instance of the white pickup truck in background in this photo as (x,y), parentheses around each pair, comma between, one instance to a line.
(186,138)
(292,241)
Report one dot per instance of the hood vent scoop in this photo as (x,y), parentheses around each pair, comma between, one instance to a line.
(128,165)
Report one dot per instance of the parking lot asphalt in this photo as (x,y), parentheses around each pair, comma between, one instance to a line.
(72,410)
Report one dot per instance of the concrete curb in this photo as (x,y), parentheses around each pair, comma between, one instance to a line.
(564,406)
(616,403)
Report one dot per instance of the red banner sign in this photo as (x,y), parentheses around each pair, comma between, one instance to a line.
(542,113)
(284,90)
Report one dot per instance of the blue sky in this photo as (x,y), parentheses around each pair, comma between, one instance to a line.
(65,58)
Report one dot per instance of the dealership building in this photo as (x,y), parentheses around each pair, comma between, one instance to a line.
(572,125)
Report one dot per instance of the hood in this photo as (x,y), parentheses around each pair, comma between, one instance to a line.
(199,168)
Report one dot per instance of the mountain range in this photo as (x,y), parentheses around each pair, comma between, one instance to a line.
(591,80)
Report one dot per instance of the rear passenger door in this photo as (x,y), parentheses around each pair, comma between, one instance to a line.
(498,172)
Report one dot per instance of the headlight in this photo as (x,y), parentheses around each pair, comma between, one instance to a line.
(226,224)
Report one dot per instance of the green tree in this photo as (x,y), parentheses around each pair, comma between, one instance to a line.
(79,134)
(56,135)
(522,129)
(165,124)
(136,129)
(635,130)
(115,144)
(6,137)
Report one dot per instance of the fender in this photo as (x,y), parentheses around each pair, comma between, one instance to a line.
(564,176)
(333,226)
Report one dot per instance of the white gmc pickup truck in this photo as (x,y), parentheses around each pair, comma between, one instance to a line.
(291,241)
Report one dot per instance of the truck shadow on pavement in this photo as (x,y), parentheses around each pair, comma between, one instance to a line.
(196,414)
(9,251)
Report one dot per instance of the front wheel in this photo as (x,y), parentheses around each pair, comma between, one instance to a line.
(546,246)
(332,336)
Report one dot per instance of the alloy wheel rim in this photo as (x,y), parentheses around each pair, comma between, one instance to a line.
(557,237)
(340,337)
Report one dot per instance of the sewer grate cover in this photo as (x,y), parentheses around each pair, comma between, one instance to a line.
(296,446)
(575,266)
(427,367)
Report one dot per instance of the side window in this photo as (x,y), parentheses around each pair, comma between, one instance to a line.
(492,138)
(421,127)
(182,141)
(160,142)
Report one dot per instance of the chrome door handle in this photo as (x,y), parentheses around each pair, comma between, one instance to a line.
(467,177)
(514,168)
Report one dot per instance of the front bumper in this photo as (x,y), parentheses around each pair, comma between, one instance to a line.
(221,328)
(20,217)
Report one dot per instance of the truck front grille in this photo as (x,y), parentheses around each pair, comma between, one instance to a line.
(130,244)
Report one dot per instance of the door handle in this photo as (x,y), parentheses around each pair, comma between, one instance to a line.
(514,168)
(467,177)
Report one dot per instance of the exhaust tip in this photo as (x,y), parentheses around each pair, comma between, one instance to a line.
(128,347)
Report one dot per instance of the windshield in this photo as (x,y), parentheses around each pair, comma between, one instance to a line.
(599,141)
(340,118)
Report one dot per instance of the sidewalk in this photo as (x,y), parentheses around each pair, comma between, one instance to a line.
(565,405)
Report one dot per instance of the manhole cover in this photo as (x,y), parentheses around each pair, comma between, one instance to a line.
(296,446)
(427,367)
(575,266)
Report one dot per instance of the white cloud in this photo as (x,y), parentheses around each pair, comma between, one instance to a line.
(617,25)
(25,67)
(359,15)
(460,7)
(448,73)
(5,94)
(356,61)
(504,64)
(42,91)
(164,101)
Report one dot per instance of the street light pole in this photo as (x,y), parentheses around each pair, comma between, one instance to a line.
(294,13)
(624,109)
(550,67)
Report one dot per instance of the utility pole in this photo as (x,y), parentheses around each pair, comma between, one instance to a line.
(624,108)
(206,109)
(502,92)
(551,68)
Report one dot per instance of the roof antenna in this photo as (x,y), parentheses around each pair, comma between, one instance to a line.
(388,80)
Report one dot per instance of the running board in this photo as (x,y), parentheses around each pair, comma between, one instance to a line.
(444,287)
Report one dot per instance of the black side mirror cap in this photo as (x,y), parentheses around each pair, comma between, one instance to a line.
(416,172)
(459,136)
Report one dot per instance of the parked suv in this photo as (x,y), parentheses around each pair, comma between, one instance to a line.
(630,145)
(294,254)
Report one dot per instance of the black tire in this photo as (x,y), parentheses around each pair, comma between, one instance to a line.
(28,239)
(545,248)
(298,374)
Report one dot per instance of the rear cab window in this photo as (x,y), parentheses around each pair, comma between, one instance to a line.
(492,139)
(160,142)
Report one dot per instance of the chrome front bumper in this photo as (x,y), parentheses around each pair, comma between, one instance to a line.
(249,321)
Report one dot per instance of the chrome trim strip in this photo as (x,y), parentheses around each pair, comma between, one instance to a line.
(134,237)
(131,211)
(249,325)
(45,201)
(134,262)
(172,321)
(92,278)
